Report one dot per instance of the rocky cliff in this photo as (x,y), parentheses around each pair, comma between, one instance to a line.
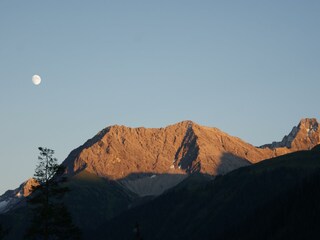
(304,136)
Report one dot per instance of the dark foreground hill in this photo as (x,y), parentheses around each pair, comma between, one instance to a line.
(91,200)
(275,199)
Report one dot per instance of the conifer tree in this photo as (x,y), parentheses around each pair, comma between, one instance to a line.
(51,219)
(3,232)
(137,233)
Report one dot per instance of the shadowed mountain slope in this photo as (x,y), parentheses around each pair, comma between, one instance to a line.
(91,200)
(229,206)
(12,198)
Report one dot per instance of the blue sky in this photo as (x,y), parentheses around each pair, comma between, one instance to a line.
(250,68)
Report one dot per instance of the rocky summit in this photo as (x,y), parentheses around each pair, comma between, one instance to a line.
(302,137)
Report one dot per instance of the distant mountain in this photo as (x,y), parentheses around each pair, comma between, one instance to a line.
(12,198)
(274,199)
(304,136)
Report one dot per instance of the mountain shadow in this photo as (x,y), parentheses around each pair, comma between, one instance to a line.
(226,206)
(230,162)
(198,206)
(292,215)
(188,153)
(93,200)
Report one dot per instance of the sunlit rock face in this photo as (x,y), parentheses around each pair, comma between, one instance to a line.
(182,148)
(304,136)
(27,187)
(12,198)
(120,152)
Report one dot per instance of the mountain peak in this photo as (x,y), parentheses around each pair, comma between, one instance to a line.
(186,122)
(120,128)
(305,135)
(12,198)
(311,124)
(181,148)
(27,186)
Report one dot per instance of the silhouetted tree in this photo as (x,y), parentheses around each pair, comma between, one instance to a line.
(51,219)
(137,233)
(3,232)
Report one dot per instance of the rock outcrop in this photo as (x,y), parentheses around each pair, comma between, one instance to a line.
(12,198)
(302,137)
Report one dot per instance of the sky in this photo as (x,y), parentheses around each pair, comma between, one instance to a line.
(249,68)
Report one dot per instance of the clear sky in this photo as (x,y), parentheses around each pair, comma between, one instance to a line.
(250,68)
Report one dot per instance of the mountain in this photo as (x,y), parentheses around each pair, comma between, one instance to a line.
(304,136)
(121,169)
(12,198)
(148,161)
(139,158)
(91,200)
(274,199)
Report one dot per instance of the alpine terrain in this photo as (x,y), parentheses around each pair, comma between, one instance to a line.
(118,175)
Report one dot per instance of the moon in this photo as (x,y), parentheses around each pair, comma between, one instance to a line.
(36,79)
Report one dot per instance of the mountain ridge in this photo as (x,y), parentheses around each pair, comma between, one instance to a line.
(228,204)
(181,148)
(121,168)
(125,154)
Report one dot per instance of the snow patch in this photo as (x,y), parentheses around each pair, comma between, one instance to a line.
(3,204)
(19,195)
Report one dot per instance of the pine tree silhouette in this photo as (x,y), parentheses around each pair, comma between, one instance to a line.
(137,232)
(3,232)
(51,219)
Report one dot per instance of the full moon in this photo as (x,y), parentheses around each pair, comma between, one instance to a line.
(36,79)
